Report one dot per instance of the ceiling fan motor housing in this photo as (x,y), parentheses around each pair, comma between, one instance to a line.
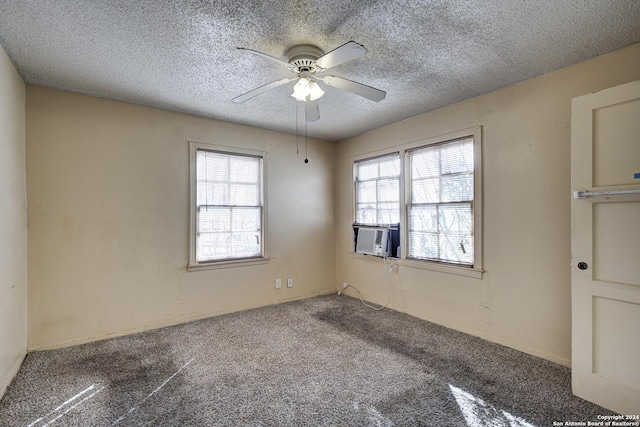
(303,57)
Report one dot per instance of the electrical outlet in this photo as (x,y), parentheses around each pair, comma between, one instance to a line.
(289,283)
(278,283)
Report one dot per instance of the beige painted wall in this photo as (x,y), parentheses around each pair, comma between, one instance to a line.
(108,222)
(523,300)
(108,216)
(13,223)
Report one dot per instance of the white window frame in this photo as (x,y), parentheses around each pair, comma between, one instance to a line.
(194,264)
(475,271)
(356,181)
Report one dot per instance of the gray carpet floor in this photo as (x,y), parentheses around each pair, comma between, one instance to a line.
(326,361)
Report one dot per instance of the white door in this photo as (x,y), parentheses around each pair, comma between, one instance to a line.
(605,246)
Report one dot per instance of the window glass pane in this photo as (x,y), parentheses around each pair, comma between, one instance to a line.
(390,168)
(201,169)
(212,166)
(367,191)
(457,157)
(425,163)
(201,193)
(246,244)
(214,246)
(456,248)
(425,190)
(388,213)
(244,169)
(367,171)
(366,213)
(214,219)
(218,167)
(220,194)
(423,218)
(388,190)
(456,188)
(211,193)
(243,195)
(456,219)
(423,245)
(246,219)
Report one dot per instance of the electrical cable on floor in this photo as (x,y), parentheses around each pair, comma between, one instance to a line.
(345,285)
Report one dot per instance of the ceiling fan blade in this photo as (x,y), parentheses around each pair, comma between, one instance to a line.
(345,53)
(272,58)
(311,111)
(365,91)
(257,91)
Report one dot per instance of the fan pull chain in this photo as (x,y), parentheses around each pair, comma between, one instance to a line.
(297,151)
(306,142)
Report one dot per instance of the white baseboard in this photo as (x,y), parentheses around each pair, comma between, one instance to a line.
(498,340)
(172,322)
(490,338)
(11,374)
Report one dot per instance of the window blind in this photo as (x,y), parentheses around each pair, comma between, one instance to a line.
(228,206)
(377,190)
(440,202)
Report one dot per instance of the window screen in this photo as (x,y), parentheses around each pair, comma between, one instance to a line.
(440,202)
(228,206)
(377,189)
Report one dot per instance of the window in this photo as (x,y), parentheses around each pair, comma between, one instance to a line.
(440,202)
(227,205)
(377,189)
(438,182)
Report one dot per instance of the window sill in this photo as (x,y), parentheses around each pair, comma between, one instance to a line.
(429,265)
(216,265)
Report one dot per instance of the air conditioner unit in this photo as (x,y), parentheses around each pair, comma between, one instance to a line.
(373,241)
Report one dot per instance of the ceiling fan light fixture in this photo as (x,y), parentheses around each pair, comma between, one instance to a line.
(315,91)
(301,89)
(306,88)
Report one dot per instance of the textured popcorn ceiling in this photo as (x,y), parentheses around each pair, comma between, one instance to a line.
(181,54)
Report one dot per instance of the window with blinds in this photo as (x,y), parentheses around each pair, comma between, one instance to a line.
(228,206)
(440,217)
(377,189)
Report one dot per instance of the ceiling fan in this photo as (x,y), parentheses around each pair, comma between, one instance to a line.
(308,63)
